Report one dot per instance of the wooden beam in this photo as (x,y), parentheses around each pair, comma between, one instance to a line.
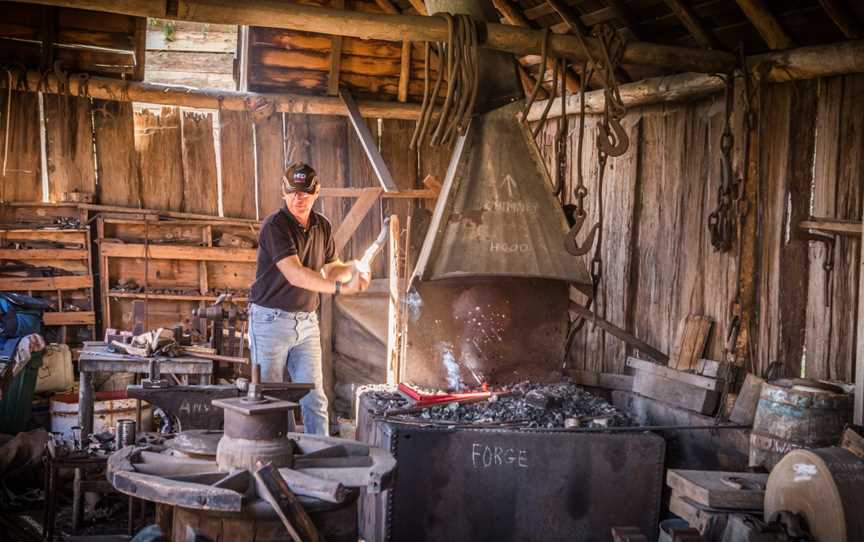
(354,217)
(693,24)
(105,88)
(513,16)
(178,252)
(389,27)
(859,356)
(405,71)
(370,145)
(569,17)
(848,228)
(843,18)
(419,6)
(809,62)
(335,58)
(393,303)
(621,334)
(387,6)
(348,192)
(792,65)
(622,12)
(511,13)
(766,24)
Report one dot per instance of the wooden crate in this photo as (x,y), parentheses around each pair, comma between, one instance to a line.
(184,267)
(72,292)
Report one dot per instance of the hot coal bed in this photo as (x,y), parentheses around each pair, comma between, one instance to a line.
(534,462)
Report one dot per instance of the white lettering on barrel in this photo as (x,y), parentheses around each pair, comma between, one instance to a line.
(484,457)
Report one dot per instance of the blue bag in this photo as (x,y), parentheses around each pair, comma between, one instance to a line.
(20,315)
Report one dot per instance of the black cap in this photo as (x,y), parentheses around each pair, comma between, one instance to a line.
(300,177)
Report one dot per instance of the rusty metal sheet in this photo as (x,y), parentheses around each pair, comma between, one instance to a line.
(465,332)
(494,485)
(496,214)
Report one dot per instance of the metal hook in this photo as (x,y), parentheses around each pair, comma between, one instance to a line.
(612,144)
(571,245)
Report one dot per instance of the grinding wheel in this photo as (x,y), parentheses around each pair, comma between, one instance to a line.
(826,487)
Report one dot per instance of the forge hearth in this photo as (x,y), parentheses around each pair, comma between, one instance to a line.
(527,405)
(483,478)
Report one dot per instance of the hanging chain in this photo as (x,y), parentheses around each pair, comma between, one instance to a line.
(721,221)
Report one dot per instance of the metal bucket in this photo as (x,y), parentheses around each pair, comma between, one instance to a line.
(796,413)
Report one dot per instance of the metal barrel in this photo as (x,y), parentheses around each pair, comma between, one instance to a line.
(796,413)
(124,433)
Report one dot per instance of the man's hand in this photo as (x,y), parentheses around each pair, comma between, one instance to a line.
(359,282)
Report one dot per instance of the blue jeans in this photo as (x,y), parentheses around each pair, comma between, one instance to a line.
(280,340)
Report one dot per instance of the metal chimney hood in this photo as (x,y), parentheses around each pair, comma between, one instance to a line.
(489,294)
(496,215)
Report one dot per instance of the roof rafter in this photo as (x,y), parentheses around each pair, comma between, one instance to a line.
(513,16)
(693,24)
(843,18)
(365,25)
(766,24)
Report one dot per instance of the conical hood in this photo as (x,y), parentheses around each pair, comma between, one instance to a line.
(496,214)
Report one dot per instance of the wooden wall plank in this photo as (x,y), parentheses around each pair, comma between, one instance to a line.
(238,167)
(119,180)
(847,256)
(658,232)
(402,161)
(837,182)
(774,132)
(327,152)
(21,180)
(718,269)
(69,142)
(200,193)
(794,267)
(160,157)
(270,146)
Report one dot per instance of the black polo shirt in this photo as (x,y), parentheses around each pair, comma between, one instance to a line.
(282,236)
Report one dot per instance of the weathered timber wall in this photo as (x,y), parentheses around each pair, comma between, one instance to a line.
(658,262)
(198,161)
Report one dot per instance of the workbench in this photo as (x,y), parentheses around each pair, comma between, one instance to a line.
(95,358)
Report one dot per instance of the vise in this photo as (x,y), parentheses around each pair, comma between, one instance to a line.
(224,314)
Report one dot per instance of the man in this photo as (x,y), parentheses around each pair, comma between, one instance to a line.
(296,262)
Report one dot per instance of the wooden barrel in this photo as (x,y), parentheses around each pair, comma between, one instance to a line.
(258,522)
(825,486)
(796,413)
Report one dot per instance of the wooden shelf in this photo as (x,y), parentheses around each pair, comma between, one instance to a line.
(44,254)
(181,257)
(44,284)
(851,228)
(178,252)
(71,318)
(18,228)
(169,297)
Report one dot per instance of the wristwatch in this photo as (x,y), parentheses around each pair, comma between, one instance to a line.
(337,288)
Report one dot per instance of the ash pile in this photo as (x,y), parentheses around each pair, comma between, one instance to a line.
(523,405)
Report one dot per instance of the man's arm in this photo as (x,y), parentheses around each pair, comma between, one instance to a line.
(303,277)
(338,270)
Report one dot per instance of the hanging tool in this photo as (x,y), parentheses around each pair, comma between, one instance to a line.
(828,262)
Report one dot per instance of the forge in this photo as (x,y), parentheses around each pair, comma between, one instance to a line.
(490,289)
